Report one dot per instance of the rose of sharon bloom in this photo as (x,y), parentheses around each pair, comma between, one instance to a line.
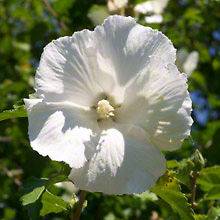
(154,19)
(154,9)
(152,6)
(109,101)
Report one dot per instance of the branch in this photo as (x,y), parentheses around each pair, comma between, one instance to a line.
(194,176)
(55,14)
(78,210)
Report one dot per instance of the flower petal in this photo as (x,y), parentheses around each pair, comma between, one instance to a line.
(158,101)
(120,165)
(59,131)
(89,63)
(69,70)
(128,46)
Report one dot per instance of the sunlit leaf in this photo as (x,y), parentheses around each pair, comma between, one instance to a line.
(209,181)
(209,178)
(52,204)
(33,190)
(168,189)
(17,112)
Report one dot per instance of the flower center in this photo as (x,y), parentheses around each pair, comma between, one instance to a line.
(104,109)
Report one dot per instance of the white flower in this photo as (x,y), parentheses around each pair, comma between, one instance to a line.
(153,6)
(154,19)
(114,5)
(109,101)
(187,62)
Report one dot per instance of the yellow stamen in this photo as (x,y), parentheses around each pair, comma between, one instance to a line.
(104,109)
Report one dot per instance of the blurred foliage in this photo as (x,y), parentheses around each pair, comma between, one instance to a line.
(26,27)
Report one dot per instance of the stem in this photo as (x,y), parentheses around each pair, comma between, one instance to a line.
(78,210)
(194,176)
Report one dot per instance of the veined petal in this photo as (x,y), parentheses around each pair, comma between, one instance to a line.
(89,63)
(120,165)
(158,101)
(128,45)
(69,70)
(60,131)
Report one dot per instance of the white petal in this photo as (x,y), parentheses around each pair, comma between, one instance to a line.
(144,7)
(158,101)
(121,165)
(172,127)
(59,131)
(127,46)
(79,68)
(69,70)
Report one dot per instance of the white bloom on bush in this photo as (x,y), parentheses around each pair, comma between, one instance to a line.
(109,101)
(114,5)
(152,6)
(153,9)
(154,19)
(187,62)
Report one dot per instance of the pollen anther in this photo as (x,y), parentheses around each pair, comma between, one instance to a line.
(104,109)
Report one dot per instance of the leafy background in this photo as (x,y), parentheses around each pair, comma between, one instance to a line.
(191,187)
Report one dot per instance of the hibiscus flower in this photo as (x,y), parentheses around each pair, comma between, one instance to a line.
(108,102)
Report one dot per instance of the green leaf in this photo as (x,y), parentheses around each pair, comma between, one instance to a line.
(33,196)
(63,6)
(172,164)
(214,213)
(21,46)
(168,189)
(214,193)
(200,217)
(57,178)
(34,210)
(184,170)
(52,204)
(33,189)
(17,112)
(209,181)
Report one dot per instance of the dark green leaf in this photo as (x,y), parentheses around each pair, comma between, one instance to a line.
(213,193)
(32,190)
(57,178)
(209,178)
